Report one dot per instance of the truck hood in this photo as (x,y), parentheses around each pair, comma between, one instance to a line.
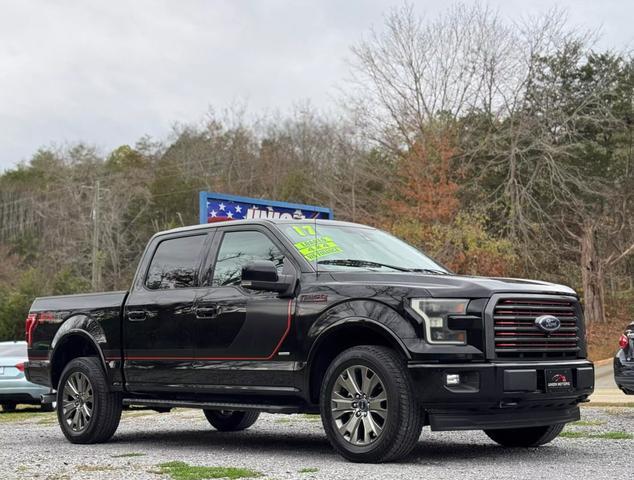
(456,286)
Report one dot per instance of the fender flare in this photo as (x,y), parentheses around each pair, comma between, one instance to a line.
(381,317)
(375,325)
(76,326)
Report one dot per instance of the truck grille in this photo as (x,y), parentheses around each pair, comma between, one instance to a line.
(517,336)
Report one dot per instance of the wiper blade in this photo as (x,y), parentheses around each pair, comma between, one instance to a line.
(428,270)
(352,262)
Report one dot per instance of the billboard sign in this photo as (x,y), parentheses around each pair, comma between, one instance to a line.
(219,207)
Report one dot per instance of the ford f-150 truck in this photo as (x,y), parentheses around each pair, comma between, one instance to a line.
(285,316)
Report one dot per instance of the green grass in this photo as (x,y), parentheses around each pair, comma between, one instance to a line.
(603,436)
(22,416)
(615,436)
(588,423)
(127,455)
(183,471)
(308,470)
(311,417)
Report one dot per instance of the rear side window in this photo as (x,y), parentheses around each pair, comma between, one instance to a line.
(175,263)
(238,249)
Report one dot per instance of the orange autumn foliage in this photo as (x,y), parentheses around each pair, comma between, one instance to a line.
(425,190)
(425,211)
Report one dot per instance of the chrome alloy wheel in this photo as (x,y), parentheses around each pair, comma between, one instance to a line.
(77,401)
(359,405)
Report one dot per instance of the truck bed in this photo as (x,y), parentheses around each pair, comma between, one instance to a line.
(56,316)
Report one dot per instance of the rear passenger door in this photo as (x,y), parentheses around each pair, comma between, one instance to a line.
(159,317)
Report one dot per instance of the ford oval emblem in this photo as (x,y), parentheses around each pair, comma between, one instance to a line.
(548,323)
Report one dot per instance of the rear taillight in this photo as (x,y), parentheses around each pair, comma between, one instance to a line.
(624,342)
(20,366)
(31,322)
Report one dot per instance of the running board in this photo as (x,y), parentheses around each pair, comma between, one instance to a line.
(251,407)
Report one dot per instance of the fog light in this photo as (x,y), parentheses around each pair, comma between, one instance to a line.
(452,379)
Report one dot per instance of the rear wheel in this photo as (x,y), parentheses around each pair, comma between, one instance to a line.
(368,407)
(9,406)
(230,420)
(88,412)
(525,437)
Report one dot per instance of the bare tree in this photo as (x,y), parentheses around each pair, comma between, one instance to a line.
(408,74)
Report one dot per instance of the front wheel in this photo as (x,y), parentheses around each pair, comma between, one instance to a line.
(230,420)
(368,408)
(525,437)
(88,412)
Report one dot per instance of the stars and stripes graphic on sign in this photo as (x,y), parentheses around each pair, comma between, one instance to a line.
(220,210)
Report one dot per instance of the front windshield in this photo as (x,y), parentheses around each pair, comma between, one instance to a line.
(337,247)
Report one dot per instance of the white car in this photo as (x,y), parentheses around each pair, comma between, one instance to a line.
(14,387)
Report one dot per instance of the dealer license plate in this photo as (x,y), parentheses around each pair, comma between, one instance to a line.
(559,380)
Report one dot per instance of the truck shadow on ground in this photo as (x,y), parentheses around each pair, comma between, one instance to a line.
(307,446)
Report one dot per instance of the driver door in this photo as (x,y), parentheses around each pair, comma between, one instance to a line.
(240,332)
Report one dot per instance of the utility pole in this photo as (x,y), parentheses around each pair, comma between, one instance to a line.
(96,265)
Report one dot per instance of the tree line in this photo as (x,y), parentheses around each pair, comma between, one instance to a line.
(499,148)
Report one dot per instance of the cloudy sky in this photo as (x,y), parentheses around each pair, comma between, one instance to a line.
(107,72)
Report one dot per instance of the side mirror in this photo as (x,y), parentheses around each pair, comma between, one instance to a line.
(262,275)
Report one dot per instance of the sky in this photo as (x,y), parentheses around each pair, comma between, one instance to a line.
(108,72)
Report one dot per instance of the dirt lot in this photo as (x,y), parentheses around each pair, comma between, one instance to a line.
(277,447)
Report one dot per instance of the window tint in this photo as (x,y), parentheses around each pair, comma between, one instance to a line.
(240,248)
(175,263)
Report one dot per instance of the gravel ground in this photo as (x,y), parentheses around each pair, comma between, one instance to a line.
(32,446)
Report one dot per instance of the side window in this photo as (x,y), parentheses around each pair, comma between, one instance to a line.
(238,249)
(175,263)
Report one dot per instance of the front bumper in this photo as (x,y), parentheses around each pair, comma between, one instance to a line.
(501,394)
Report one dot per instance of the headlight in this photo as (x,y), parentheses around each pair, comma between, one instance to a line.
(435,313)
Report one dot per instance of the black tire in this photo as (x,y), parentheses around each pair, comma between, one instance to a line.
(403,418)
(525,437)
(47,407)
(9,406)
(231,421)
(106,405)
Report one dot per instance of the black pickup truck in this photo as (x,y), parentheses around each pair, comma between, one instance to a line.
(286,316)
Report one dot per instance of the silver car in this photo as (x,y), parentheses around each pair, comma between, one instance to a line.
(14,387)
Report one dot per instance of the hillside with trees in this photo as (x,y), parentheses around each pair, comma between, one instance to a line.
(498,148)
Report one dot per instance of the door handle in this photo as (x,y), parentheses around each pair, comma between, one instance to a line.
(137,315)
(206,312)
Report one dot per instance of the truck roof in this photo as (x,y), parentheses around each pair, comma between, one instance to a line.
(262,221)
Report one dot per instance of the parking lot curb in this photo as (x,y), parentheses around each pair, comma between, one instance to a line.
(601,363)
